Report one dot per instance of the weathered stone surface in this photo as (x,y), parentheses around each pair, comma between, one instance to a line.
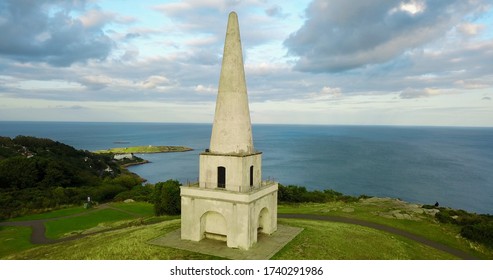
(231,131)
(230,203)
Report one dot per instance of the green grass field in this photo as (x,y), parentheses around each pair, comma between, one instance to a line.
(52,214)
(140,208)
(377,212)
(59,228)
(337,241)
(123,244)
(14,239)
(319,239)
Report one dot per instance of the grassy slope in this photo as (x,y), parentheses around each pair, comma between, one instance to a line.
(337,241)
(424,225)
(145,149)
(14,239)
(52,214)
(128,243)
(319,240)
(140,208)
(58,228)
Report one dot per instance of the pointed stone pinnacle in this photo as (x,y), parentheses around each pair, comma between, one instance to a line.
(232,131)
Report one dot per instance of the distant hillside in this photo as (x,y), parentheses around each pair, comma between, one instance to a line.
(28,162)
(38,173)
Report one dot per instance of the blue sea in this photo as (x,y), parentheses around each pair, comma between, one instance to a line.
(451,165)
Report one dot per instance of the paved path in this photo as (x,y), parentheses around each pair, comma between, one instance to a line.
(38,229)
(414,237)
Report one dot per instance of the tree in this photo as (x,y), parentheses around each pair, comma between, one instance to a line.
(167,199)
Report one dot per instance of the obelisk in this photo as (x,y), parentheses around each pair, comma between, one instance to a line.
(231,131)
(230,202)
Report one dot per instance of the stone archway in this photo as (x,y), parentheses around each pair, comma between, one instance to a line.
(264,221)
(213,226)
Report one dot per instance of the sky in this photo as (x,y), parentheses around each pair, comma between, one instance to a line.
(372,62)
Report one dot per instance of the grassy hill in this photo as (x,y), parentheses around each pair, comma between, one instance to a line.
(123,230)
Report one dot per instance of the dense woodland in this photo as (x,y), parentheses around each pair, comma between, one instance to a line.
(38,174)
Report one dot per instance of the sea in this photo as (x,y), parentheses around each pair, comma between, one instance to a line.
(449,165)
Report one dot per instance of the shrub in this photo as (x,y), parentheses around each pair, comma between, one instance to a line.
(167,199)
(137,193)
(481,232)
(297,194)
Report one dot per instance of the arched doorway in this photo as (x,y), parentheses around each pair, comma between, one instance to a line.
(213,226)
(263,224)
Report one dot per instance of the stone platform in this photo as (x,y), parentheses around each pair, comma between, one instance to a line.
(266,246)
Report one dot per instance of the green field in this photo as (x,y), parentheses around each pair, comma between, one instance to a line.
(318,240)
(14,239)
(338,241)
(139,208)
(59,228)
(134,225)
(145,149)
(379,211)
(52,214)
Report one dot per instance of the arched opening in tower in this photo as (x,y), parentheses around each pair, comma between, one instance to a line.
(213,226)
(263,221)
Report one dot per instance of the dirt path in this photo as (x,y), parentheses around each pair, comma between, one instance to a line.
(414,237)
(38,229)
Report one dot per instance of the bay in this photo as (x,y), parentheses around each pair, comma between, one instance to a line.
(451,165)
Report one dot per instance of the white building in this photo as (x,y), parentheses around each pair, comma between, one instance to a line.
(123,156)
(230,202)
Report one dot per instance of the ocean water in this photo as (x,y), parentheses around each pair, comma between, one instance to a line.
(453,166)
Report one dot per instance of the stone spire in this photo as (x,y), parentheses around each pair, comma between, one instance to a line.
(232,131)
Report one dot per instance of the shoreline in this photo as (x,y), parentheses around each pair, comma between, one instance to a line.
(144,150)
(125,165)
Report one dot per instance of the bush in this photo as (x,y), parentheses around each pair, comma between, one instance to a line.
(167,199)
(478,228)
(137,193)
(482,233)
(297,194)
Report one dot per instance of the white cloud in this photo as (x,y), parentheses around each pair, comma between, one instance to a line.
(155,81)
(362,61)
(339,35)
(206,89)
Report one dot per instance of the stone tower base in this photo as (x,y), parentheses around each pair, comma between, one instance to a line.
(234,217)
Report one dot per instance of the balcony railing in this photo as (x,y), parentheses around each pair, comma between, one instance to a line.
(213,185)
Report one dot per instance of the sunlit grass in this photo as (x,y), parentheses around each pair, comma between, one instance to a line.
(338,241)
(423,224)
(14,239)
(124,244)
(139,208)
(52,214)
(58,228)
(319,240)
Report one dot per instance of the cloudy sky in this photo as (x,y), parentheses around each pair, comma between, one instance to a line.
(382,62)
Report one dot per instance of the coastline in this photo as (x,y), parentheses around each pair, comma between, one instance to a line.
(125,165)
(144,150)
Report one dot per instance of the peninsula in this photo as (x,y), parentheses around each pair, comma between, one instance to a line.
(145,149)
